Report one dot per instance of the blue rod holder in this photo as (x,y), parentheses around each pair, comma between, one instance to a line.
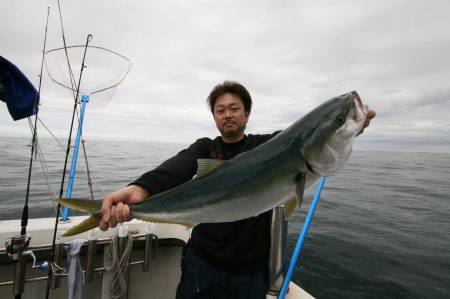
(84,100)
(301,239)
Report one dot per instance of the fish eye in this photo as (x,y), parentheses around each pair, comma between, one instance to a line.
(340,119)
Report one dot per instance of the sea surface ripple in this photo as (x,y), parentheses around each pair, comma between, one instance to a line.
(381,229)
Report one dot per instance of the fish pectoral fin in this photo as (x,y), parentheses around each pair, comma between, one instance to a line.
(205,166)
(290,205)
(87,224)
(300,187)
(155,220)
(84,205)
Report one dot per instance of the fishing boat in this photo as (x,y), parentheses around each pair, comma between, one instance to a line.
(153,267)
(136,260)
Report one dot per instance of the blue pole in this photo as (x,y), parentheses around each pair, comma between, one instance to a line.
(301,239)
(84,100)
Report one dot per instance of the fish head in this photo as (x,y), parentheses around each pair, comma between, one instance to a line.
(333,128)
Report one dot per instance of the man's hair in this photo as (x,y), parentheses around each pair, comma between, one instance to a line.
(233,88)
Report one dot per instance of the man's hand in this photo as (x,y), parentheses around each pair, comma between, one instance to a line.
(115,207)
(370,115)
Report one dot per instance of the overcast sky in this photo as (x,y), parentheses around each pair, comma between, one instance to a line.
(291,55)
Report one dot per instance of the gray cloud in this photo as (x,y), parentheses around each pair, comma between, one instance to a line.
(291,56)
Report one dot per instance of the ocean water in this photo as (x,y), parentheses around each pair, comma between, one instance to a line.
(381,229)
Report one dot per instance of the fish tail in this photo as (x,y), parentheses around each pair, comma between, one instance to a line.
(87,224)
(84,205)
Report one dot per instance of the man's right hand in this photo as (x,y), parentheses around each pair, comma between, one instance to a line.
(115,207)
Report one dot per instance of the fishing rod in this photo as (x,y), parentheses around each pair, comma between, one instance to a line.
(61,190)
(24,221)
(301,239)
(17,245)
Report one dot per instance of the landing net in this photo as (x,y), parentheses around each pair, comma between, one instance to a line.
(104,71)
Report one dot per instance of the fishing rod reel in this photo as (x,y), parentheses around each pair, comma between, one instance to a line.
(17,245)
(17,249)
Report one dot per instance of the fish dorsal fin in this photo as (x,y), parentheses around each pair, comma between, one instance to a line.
(205,166)
(290,205)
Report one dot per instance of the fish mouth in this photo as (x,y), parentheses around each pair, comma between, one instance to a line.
(359,111)
(336,151)
(357,100)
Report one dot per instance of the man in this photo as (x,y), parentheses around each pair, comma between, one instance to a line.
(221,260)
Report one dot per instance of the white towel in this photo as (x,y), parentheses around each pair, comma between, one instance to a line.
(75,275)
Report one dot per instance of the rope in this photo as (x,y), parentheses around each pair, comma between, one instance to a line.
(119,265)
(87,168)
(72,77)
(47,177)
(54,137)
(48,180)
(84,171)
(88,173)
(58,270)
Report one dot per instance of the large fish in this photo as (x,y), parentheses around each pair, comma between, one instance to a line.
(274,173)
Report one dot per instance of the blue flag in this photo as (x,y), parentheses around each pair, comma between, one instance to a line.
(16,91)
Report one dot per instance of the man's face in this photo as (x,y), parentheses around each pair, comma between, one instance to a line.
(230,115)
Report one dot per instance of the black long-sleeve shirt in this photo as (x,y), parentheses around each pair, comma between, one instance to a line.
(235,247)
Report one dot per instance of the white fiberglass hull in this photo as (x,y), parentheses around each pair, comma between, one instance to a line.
(160,281)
